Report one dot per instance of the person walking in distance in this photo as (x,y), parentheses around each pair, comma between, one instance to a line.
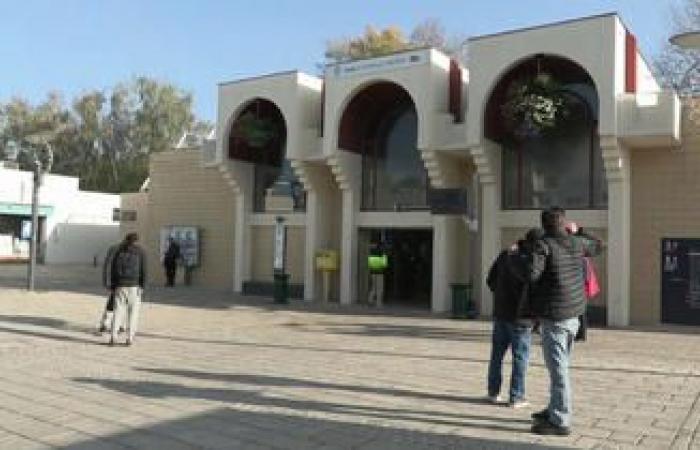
(106,318)
(170,259)
(128,277)
(509,281)
(558,300)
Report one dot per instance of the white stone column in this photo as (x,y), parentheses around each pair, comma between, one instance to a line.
(616,159)
(451,250)
(490,239)
(241,243)
(349,238)
(311,244)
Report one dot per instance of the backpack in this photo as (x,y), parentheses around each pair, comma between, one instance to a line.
(126,265)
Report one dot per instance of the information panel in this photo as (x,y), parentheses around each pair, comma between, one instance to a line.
(680,281)
(188,239)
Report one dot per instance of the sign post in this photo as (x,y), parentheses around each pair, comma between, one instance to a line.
(281,279)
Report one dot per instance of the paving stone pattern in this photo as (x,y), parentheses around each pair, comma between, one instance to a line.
(211,370)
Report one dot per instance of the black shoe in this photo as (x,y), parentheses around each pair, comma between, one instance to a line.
(541,415)
(547,428)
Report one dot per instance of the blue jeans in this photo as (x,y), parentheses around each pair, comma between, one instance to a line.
(557,343)
(517,337)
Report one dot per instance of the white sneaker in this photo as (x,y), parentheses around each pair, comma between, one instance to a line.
(495,399)
(517,404)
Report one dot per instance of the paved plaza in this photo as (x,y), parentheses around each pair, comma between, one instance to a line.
(212,370)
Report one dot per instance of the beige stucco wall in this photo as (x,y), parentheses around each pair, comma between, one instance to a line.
(182,192)
(134,201)
(263,241)
(665,194)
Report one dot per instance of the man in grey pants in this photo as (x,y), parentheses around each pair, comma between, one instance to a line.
(128,277)
(558,299)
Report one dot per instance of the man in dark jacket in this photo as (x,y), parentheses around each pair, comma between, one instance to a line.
(558,299)
(128,277)
(508,280)
(170,259)
(108,312)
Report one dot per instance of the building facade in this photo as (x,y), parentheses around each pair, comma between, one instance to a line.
(435,161)
(74,226)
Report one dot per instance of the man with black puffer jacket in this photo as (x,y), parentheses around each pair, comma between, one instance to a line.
(512,326)
(128,277)
(558,299)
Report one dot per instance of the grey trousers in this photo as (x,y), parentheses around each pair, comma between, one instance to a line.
(127,305)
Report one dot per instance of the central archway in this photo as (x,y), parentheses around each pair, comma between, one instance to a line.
(561,165)
(381,124)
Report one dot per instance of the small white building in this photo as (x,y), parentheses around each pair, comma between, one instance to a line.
(74,226)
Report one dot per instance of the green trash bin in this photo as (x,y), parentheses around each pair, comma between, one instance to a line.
(462,306)
(281,288)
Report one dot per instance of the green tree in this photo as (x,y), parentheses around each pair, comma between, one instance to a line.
(104,137)
(163,113)
(373,42)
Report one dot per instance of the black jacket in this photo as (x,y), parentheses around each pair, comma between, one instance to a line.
(557,275)
(508,280)
(128,267)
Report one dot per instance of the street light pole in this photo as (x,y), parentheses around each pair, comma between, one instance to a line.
(35,223)
(40,167)
(687,41)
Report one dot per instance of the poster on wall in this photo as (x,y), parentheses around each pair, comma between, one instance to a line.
(26,230)
(680,281)
(187,238)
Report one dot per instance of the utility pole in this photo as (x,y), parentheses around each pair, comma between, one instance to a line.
(41,166)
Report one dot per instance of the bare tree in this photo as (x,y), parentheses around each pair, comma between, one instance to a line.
(678,68)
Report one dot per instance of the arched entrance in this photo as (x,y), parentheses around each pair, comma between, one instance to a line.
(380,125)
(259,136)
(543,113)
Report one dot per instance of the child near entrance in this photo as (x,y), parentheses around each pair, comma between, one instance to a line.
(377,262)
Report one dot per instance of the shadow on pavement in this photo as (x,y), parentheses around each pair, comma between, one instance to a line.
(231,428)
(267,381)
(389,330)
(257,398)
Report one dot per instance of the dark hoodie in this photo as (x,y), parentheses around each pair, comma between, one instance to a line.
(507,279)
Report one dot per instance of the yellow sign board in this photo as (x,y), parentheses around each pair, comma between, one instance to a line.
(327,260)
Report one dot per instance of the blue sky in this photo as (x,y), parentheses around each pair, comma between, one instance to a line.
(77,45)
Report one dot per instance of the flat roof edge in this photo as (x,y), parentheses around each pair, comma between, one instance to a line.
(546,25)
(267,75)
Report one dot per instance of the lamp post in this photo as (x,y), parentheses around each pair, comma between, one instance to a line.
(43,165)
(689,40)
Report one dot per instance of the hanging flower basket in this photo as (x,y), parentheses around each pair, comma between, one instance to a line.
(257,132)
(535,107)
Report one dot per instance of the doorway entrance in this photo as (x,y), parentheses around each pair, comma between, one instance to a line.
(408,278)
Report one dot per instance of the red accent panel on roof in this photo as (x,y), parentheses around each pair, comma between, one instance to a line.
(455,91)
(630,63)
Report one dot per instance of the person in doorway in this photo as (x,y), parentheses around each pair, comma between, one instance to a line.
(558,299)
(128,277)
(377,262)
(106,318)
(508,280)
(170,260)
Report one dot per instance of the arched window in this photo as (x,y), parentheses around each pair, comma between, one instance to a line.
(393,174)
(259,136)
(561,162)
(381,124)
